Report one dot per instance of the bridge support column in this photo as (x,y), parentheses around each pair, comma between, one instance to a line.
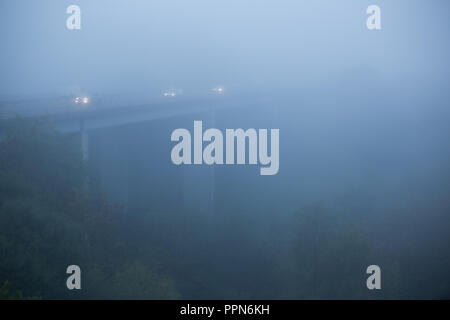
(84,140)
(212,199)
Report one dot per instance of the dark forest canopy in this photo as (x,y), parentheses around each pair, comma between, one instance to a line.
(48,221)
(53,213)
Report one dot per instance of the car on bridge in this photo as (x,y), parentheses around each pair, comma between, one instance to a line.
(87,100)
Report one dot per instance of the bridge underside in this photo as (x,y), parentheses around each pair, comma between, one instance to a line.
(130,149)
(136,171)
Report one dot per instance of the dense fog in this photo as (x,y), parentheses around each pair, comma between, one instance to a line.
(364,153)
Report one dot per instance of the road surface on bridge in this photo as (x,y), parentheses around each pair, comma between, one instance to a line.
(109,111)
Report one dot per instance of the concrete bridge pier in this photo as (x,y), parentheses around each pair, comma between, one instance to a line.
(212,187)
(84,140)
(199,181)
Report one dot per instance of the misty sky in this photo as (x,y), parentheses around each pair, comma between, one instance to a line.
(147,46)
(363,118)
